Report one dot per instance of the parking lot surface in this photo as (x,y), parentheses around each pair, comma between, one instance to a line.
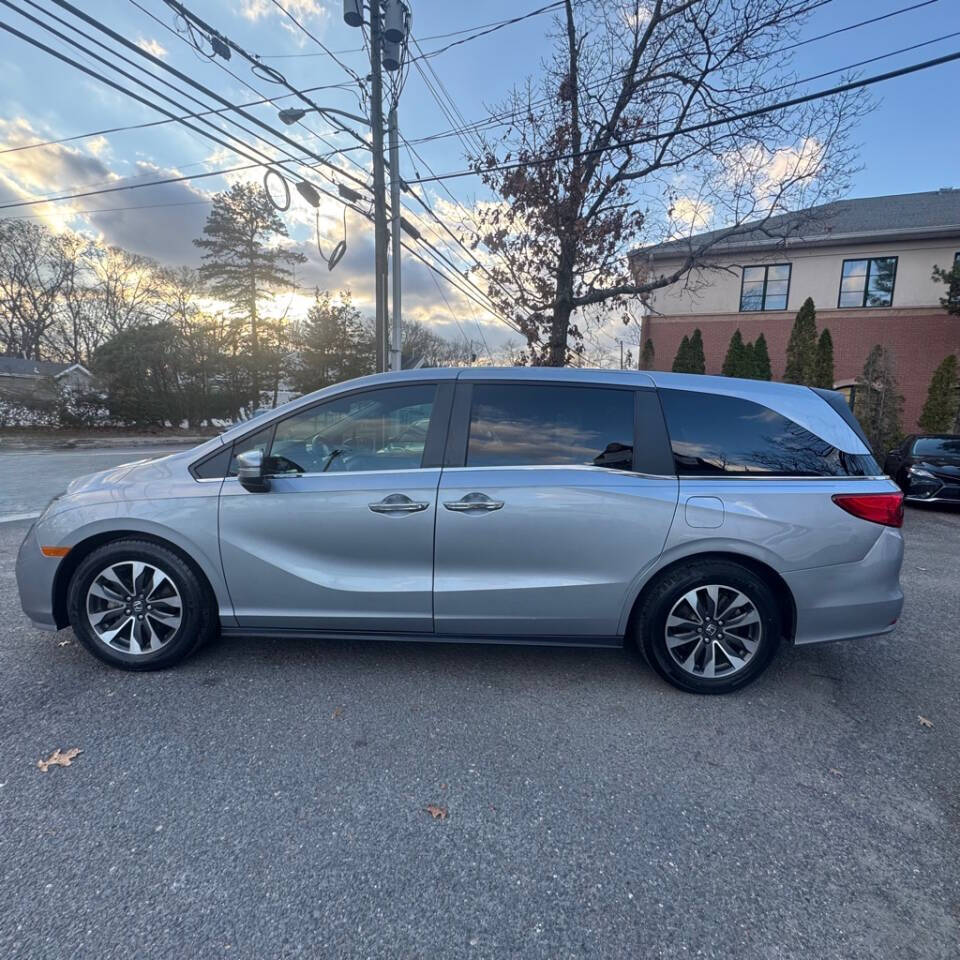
(268,799)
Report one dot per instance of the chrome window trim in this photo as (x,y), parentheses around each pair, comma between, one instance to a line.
(774,476)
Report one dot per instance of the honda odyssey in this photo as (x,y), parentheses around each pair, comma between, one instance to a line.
(704,519)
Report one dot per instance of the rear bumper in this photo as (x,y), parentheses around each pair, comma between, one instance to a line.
(35,575)
(848,600)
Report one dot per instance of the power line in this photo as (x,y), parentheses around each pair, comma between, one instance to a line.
(140,206)
(434,36)
(695,128)
(160,123)
(127,186)
(492,29)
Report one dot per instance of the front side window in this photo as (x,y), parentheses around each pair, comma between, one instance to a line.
(376,430)
(868,283)
(765,288)
(531,424)
(714,435)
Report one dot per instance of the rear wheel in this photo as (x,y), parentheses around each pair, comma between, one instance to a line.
(712,626)
(139,606)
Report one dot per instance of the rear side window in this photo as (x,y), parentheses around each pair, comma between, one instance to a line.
(714,435)
(533,424)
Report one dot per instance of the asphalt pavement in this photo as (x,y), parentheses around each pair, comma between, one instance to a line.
(268,799)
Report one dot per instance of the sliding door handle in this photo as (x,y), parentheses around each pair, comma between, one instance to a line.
(474,502)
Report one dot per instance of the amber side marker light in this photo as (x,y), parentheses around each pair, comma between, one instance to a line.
(885,508)
(54,551)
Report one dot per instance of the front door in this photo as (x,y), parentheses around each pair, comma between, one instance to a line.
(544,518)
(343,540)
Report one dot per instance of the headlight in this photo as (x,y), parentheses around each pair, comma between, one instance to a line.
(920,472)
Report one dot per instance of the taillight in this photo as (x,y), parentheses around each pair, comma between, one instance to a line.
(885,508)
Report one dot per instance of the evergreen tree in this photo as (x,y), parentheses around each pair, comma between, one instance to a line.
(940,413)
(681,362)
(802,348)
(335,344)
(735,362)
(951,299)
(244,265)
(761,360)
(698,362)
(648,356)
(823,367)
(878,402)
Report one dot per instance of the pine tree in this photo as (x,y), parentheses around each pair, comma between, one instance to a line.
(761,360)
(681,361)
(648,356)
(802,348)
(698,362)
(878,403)
(244,265)
(940,413)
(823,368)
(735,362)
(335,344)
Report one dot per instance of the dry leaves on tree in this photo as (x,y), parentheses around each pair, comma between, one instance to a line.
(437,812)
(58,759)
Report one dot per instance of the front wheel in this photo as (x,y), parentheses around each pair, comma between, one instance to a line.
(139,606)
(712,626)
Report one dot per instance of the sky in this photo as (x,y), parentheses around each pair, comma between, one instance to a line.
(909,143)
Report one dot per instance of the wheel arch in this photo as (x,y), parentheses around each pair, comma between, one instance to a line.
(781,590)
(81,550)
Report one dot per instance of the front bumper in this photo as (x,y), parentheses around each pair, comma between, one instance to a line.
(35,577)
(935,488)
(848,600)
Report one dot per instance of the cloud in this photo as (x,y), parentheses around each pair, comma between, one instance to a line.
(152,46)
(688,215)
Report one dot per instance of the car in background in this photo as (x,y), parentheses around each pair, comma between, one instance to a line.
(703,519)
(927,468)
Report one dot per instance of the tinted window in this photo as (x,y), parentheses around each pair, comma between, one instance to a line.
(521,424)
(213,467)
(937,447)
(256,441)
(375,430)
(713,435)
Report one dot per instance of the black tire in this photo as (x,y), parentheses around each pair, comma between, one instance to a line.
(199,621)
(650,623)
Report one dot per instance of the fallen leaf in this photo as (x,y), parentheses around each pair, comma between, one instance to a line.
(924,722)
(438,813)
(336,713)
(836,772)
(64,643)
(58,759)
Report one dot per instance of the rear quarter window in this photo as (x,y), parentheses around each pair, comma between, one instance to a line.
(715,436)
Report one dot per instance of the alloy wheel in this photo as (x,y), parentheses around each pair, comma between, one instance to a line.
(713,631)
(134,607)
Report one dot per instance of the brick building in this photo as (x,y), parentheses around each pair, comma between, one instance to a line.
(866,263)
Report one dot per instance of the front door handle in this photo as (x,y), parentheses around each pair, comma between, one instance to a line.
(473,502)
(398,503)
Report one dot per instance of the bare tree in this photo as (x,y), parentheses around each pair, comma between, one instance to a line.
(607,151)
(34,267)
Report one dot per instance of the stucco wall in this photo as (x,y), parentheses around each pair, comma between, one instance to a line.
(815,273)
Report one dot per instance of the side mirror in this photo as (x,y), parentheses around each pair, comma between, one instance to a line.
(250,472)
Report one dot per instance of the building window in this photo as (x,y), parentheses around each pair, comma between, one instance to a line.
(765,288)
(868,283)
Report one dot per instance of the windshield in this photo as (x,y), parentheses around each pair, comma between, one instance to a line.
(937,447)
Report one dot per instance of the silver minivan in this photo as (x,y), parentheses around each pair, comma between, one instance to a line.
(704,519)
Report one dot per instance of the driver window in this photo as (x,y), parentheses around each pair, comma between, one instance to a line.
(382,429)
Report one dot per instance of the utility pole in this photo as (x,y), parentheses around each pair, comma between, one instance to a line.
(379,212)
(395,346)
(389,29)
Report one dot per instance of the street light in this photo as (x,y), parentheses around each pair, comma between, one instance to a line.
(293,114)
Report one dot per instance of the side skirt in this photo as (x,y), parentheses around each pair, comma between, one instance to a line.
(267,633)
